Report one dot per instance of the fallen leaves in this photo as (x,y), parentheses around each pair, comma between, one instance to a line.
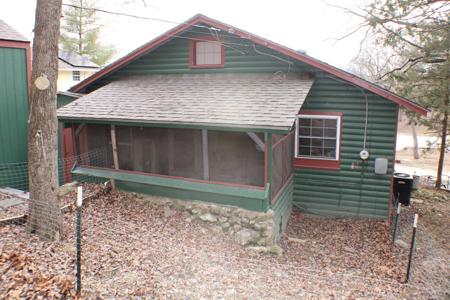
(132,249)
(22,280)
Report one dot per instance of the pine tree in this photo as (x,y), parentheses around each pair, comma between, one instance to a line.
(80,32)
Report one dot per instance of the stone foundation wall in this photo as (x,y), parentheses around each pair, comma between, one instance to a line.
(248,228)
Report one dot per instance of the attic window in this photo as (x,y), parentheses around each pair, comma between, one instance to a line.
(76,76)
(206,52)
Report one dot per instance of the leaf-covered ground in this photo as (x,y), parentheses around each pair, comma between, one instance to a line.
(132,249)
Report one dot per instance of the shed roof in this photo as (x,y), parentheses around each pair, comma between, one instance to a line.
(10,34)
(260,101)
(76,60)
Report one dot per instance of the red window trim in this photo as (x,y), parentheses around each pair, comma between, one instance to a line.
(205,38)
(321,164)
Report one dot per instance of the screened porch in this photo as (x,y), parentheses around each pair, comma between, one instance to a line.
(252,165)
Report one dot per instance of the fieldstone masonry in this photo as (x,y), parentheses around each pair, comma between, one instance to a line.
(255,230)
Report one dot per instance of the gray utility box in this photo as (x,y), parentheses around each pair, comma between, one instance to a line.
(381,165)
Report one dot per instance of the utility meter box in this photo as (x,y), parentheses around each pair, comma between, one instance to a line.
(381,165)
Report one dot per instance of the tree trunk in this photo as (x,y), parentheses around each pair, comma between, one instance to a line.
(443,143)
(45,217)
(415,142)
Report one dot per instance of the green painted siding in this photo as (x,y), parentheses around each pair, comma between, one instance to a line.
(173,58)
(282,209)
(63,100)
(350,192)
(13,105)
(13,118)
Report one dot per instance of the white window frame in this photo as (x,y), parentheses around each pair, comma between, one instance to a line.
(78,74)
(338,135)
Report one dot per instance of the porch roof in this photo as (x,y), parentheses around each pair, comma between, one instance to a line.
(234,100)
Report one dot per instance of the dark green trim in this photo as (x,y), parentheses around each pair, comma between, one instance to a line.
(285,195)
(173,125)
(63,100)
(248,198)
(282,209)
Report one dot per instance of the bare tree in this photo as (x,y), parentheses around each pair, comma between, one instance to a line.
(45,215)
(418,32)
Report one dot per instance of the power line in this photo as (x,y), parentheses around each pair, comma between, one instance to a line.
(212,30)
(136,16)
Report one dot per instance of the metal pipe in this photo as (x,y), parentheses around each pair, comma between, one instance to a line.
(79,205)
(411,250)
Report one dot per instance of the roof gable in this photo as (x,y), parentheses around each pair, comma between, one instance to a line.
(203,21)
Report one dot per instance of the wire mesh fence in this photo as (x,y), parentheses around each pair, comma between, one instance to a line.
(429,263)
(134,249)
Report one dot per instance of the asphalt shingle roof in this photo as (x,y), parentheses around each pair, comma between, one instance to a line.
(76,60)
(237,100)
(10,34)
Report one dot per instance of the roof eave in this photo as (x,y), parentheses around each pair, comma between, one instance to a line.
(211,126)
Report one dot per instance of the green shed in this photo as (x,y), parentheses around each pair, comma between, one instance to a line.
(15,66)
(213,113)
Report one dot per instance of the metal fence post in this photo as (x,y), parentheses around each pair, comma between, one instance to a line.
(79,205)
(394,235)
(411,250)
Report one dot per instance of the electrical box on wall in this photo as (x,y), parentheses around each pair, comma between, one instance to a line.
(381,165)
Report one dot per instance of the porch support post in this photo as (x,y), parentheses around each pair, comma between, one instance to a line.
(78,130)
(259,143)
(115,156)
(268,154)
(205,154)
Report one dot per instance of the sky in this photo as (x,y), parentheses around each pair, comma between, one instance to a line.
(309,25)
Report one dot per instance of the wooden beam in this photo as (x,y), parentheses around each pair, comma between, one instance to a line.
(115,156)
(205,154)
(259,143)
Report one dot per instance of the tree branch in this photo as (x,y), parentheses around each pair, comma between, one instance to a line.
(412,61)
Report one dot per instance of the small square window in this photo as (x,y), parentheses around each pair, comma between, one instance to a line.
(318,137)
(206,54)
(76,76)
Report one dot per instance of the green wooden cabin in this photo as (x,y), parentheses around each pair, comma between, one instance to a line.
(210,112)
(14,80)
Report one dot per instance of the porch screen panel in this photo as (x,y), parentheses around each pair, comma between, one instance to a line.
(161,151)
(232,157)
(235,158)
(92,146)
(282,155)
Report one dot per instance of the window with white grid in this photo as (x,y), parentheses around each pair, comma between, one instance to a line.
(317,136)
